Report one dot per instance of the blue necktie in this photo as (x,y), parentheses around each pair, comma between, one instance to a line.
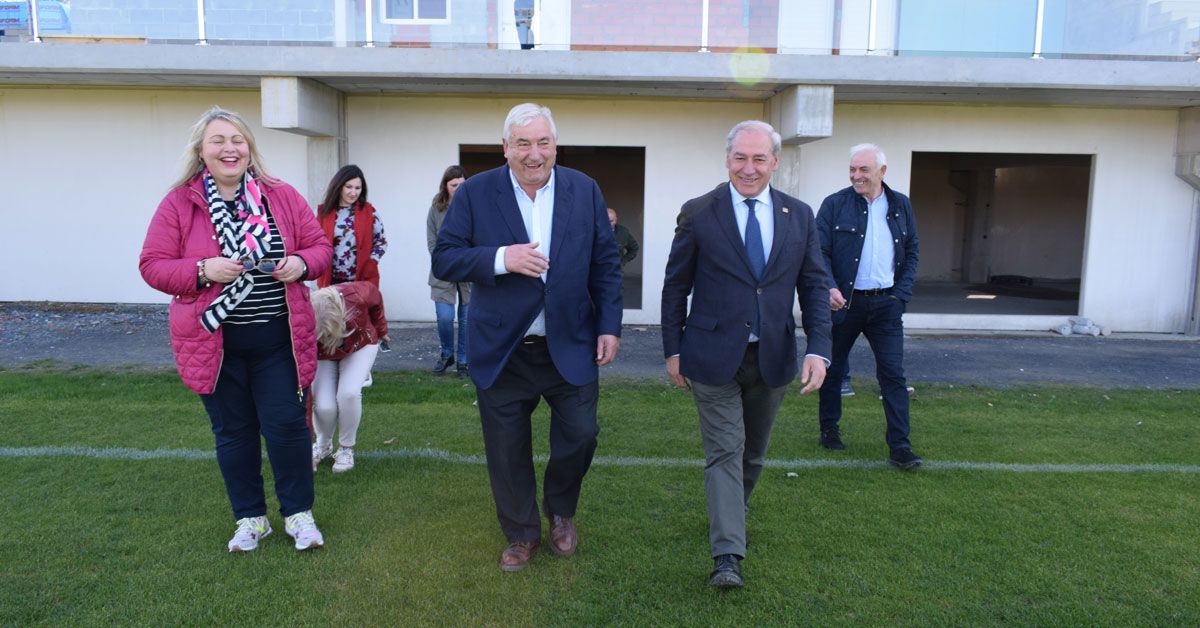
(754,250)
(754,243)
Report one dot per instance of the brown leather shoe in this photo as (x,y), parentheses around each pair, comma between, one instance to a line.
(563,539)
(518,554)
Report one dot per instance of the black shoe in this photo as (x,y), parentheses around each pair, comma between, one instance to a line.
(727,572)
(463,371)
(904,459)
(847,390)
(832,439)
(443,364)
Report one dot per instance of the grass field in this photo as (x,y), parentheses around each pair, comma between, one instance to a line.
(92,537)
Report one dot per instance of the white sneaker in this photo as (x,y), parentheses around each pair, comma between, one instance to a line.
(320,452)
(303,529)
(249,531)
(343,459)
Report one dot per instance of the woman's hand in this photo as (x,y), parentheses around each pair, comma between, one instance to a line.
(292,269)
(222,269)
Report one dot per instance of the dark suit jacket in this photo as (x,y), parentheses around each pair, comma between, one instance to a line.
(708,259)
(582,291)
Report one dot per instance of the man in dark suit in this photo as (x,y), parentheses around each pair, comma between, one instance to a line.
(743,251)
(869,241)
(534,240)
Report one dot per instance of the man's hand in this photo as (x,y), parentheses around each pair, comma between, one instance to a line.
(812,374)
(836,300)
(525,259)
(673,372)
(606,349)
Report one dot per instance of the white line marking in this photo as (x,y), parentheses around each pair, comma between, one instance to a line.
(123,453)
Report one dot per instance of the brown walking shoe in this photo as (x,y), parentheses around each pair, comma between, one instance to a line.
(518,554)
(563,538)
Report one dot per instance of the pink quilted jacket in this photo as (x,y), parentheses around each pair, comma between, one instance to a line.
(181,234)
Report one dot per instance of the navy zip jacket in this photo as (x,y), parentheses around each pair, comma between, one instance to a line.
(842,225)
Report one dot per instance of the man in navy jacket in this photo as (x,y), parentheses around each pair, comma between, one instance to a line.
(535,241)
(869,240)
(743,252)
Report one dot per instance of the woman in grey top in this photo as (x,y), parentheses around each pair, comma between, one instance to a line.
(445,293)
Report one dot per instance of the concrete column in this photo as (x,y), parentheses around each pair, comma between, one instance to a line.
(317,111)
(301,106)
(1187,167)
(802,113)
(1187,146)
(787,178)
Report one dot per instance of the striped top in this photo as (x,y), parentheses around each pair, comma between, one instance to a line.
(267,299)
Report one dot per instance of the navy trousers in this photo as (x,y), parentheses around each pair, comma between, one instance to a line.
(505,409)
(257,397)
(878,318)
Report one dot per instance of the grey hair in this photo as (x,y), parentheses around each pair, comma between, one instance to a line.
(194,165)
(523,114)
(880,158)
(758,125)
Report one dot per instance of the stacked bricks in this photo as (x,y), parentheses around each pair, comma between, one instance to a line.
(673,24)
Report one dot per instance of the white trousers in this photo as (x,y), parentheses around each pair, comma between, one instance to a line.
(337,395)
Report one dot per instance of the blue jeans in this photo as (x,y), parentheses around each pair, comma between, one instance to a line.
(255,399)
(878,318)
(445,327)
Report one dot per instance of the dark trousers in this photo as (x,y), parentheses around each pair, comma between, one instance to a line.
(878,318)
(504,410)
(257,395)
(735,425)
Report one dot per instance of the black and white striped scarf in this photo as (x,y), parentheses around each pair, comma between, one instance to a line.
(245,238)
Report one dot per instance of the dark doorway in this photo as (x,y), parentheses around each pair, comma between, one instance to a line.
(1001,233)
(621,173)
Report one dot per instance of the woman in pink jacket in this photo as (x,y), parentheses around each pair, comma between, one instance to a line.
(232,246)
(350,324)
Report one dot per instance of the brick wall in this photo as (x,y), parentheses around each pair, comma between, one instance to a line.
(734,24)
(673,24)
(635,24)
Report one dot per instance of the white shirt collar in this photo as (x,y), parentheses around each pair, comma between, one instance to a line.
(763,198)
(548,188)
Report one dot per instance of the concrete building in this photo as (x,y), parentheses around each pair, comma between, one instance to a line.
(1051,147)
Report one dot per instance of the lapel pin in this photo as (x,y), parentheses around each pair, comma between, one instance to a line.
(785,210)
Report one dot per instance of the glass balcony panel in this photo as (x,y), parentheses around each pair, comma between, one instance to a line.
(431,23)
(968,28)
(296,22)
(1121,28)
(115,20)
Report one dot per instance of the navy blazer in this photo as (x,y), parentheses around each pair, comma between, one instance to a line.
(842,223)
(708,260)
(582,291)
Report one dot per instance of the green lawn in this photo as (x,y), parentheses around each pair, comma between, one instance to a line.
(413,540)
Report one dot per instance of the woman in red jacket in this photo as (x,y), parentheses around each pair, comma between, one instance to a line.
(350,323)
(232,245)
(353,228)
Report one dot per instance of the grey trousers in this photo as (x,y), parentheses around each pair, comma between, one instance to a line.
(735,424)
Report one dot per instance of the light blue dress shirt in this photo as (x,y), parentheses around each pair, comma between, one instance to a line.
(876,265)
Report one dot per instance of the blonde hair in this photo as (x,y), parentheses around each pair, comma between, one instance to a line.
(194,165)
(330,308)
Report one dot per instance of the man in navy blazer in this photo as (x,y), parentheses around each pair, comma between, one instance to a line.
(743,251)
(546,308)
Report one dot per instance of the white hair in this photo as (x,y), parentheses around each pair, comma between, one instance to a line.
(523,114)
(880,158)
(758,125)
